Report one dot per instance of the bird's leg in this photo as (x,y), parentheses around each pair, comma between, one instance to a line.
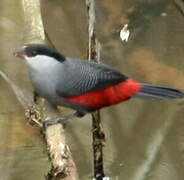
(62,119)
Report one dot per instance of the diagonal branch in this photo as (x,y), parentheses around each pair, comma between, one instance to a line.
(180,5)
(63,166)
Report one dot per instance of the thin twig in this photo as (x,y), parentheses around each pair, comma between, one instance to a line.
(98,135)
(23,99)
(180,5)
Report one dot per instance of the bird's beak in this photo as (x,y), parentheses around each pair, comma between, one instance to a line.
(19,53)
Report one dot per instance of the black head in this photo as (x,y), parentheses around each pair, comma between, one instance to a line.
(32,50)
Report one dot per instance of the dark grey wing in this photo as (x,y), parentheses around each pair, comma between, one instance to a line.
(82,76)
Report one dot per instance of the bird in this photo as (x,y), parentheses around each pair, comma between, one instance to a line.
(84,86)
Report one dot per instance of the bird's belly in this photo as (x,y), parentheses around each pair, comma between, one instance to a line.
(108,96)
(45,88)
(47,91)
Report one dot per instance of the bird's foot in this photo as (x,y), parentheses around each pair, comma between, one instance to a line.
(62,120)
(50,122)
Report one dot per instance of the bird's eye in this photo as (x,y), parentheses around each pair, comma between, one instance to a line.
(34,53)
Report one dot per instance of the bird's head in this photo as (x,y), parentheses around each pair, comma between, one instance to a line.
(38,51)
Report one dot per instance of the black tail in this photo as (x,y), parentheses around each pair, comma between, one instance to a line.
(159,92)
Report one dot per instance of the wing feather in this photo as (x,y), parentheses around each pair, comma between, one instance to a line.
(82,76)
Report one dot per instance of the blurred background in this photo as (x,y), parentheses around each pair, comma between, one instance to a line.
(144,138)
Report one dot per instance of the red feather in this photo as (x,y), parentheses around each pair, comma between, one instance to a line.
(107,96)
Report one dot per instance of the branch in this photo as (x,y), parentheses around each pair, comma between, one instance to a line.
(98,134)
(63,166)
